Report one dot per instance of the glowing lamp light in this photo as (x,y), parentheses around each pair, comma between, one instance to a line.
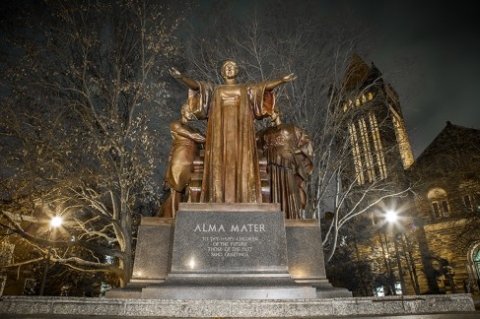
(192,263)
(56,221)
(391,216)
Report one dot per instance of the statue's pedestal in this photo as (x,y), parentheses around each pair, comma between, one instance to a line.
(229,251)
(278,272)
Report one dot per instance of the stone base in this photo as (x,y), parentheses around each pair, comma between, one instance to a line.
(229,251)
(219,292)
(253,308)
(225,292)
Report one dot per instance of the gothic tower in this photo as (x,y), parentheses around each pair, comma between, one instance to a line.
(380,149)
(377,156)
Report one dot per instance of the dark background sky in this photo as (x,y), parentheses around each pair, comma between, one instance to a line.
(430,52)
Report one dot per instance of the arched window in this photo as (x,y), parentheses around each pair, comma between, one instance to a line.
(470,191)
(367,149)
(439,203)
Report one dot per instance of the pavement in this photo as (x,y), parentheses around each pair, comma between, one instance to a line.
(457,315)
(452,315)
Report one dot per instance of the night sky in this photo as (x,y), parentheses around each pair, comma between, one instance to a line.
(430,52)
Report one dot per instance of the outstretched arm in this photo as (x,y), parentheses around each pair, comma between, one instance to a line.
(194,85)
(270,85)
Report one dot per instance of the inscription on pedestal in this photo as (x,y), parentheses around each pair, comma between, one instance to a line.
(228,242)
(234,247)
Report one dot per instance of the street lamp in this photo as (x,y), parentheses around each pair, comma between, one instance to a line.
(392,218)
(55,222)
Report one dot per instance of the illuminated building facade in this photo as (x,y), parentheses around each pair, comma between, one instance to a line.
(431,249)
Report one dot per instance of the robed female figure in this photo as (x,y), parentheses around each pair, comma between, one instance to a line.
(231,170)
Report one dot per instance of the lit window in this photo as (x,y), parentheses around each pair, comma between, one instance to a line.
(377,142)
(367,150)
(379,292)
(398,288)
(357,159)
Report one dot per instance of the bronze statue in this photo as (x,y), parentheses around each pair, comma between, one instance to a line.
(288,150)
(185,147)
(231,170)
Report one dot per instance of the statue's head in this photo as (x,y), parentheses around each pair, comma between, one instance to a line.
(229,69)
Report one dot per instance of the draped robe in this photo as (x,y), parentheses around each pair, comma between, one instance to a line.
(231,169)
(288,150)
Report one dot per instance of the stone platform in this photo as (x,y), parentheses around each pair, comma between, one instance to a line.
(228,251)
(254,308)
(231,261)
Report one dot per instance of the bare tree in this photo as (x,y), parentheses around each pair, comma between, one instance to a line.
(279,37)
(84,116)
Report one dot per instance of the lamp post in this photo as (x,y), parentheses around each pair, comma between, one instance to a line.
(399,264)
(54,223)
(392,218)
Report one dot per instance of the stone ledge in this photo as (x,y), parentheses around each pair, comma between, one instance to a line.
(391,305)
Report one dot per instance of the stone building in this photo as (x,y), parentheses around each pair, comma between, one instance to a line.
(447,205)
(430,249)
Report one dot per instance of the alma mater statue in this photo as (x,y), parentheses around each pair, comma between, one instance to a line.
(231,170)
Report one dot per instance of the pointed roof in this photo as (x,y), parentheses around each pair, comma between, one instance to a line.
(359,73)
(453,138)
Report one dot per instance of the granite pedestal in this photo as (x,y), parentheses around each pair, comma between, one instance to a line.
(229,251)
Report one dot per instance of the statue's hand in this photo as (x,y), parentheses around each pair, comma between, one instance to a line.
(289,78)
(199,138)
(175,73)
